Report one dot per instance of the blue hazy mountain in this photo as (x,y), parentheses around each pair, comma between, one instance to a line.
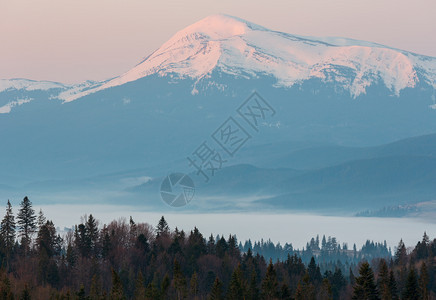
(388,175)
(340,104)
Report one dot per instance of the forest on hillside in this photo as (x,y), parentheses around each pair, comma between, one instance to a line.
(135,260)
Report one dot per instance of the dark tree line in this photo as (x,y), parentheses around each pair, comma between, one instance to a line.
(129,260)
(329,254)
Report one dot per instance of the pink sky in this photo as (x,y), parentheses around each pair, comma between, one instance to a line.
(72,41)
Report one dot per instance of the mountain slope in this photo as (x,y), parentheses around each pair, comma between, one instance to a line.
(237,47)
(222,44)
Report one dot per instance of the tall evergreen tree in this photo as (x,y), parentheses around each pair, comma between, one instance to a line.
(106,244)
(95,290)
(117,291)
(338,283)
(152,292)
(47,247)
(314,271)
(139,287)
(393,285)
(383,281)
(232,243)
(305,289)
(26,223)
(216,293)
(326,290)
(253,290)
(270,283)
(411,290)
(401,254)
(365,287)
(81,240)
(285,293)
(423,282)
(7,230)
(92,234)
(164,286)
(193,285)
(221,247)
(41,219)
(162,227)
(211,245)
(179,281)
(236,285)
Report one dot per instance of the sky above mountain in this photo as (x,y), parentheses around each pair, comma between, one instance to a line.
(81,40)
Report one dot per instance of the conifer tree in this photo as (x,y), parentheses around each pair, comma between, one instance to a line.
(253,290)
(179,281)
(117,292)
(383,281)
(401,254)
(326,290)
(139,287)
(393,285)
(162,227)
(236,286)
(95,290)
(314,271)
(164,286)
(269,283)
(106,243)
(221,247)
(194,285)
(338,283)
(305,289)
(216,293)
(411,290)
(152,291)
(91,234)
(423,282)
(233,249)
(7,231)
(365,287)
(26,223)
(285,294)
(41,219)
(211,245)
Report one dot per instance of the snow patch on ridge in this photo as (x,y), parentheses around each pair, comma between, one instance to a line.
(28,85)
(5,109)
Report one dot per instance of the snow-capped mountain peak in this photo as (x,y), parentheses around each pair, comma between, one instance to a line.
(216,27)
(234,46)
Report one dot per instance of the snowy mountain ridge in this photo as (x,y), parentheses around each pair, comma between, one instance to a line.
(234,46)
(240,48)
(28,85)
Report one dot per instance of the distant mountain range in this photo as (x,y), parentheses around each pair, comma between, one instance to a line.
(394,174)
(352,130)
